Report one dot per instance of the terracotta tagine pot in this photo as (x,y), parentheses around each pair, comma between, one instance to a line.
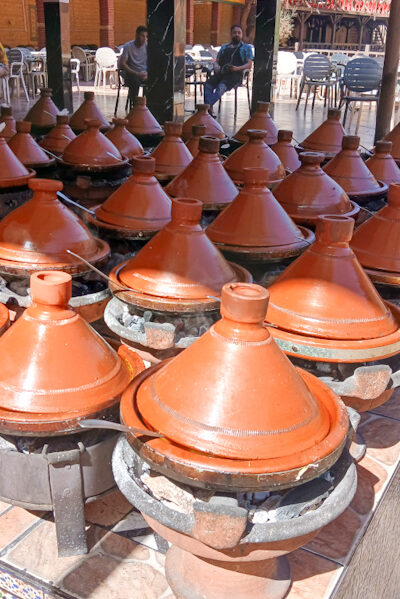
(349,170)
(92,150)
(255,230)
(138,209)
(59,137)
(125,141)
(309,192)
(285,151)
(73,372)
(202,117)
(6,116)
(260,120)
(255,153)
(205,178)
(12,173)
(27,149)
(143,124)
(328,137)
(382,165)
(43,114)
(88,110)
(394,137)
(328,317)
(171,155)
(192,143)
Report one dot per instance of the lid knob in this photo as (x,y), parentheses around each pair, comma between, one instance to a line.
(350,142)
(209,144)
(334,114)
(120,122)
(173,128)
(285,135)
(186,210)
(46,91)
(334,229)
(23,126)
(394,194)
(140,101)
(262,106)
(311,157)
(202,107)
(383,146)
(88,95)
(256,134)
(198,130)
(51,288)
(62,119)
(257,176)
(144,164)
(49,185)
(244,302)
(93,123)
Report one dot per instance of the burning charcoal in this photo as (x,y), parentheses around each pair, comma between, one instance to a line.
(147,315)
(19,287)
(79,289)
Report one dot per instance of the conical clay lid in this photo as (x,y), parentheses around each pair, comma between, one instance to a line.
(376,242)
(202,117)
(88,110)
(309,192)
(262,120)
(205,178)
(255,219)
(192,143)
(141,121)
(171,154)
(350,171)
(6,117)
(59,137)
(394,137)
(54,365)
(285,151)
(39,232)
(328,137)
(179,261)
(12,171)
(140,204)
(92,149)
(26,148)
(382,165)
(206,400)
(43,114)
(326,293)
(122,139)
(255,153)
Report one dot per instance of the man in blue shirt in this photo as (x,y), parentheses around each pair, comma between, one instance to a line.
(232,60)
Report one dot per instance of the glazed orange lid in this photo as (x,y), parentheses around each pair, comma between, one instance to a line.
(43,113)
(13,172)
(92,149)
(309,192)
(192,143)
(125,141)
(59,137)
(179,261)
(255,218)
(326,293)
(205,178)
(382,165)
(140,204)
(394,137)
(349,170)
(39,232)
(376,242)
(6,117)
(88,110)
(54,365)
(26,148)
(207,401)
(141,121)
(262,120)
(171,154)
(202,117)
(285,151)
(328,137)
(255,153)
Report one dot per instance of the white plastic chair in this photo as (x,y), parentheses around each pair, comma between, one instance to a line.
(17,69)
(86,61)
(287,71)
(6,89)
(75,69)
(106,62)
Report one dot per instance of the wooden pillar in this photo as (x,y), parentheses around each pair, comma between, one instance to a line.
(266,49)
(302,17)
(190,22)
(390,73)
(40,24)
(107,31)
(58,47)
(215,23)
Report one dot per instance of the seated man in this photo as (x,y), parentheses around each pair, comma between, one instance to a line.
(232,60)
(133,62)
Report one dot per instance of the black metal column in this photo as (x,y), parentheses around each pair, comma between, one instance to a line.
(58,45)
(266,49)
(166,22)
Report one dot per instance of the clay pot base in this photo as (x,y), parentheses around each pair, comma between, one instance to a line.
(358,447)
(328,155)
(17,181)
(312,219)
(86,168)
(191,577)
(115,232)
(362,198)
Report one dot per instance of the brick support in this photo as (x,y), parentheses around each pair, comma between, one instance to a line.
(190,22)
(107,31)
(41,31)
(215,23)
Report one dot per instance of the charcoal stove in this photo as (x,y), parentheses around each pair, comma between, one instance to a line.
(239,480)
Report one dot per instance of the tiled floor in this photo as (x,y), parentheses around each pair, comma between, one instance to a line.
(126,559)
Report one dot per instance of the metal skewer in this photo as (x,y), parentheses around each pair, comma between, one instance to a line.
(123,428)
